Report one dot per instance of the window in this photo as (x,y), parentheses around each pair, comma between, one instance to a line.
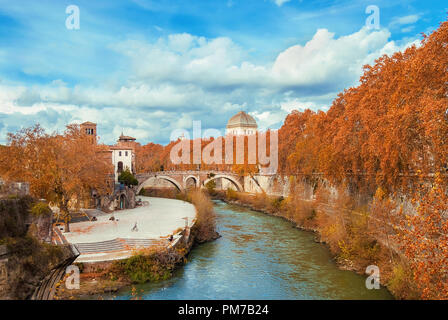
(119,153)
(126,153)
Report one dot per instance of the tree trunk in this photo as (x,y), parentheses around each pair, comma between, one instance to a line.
(67,225)
(64,209)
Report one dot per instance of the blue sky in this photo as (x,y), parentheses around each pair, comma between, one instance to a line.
(148,67)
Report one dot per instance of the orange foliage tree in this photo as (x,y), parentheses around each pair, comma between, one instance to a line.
(64,168)
(382,131)
(424,241)
(155,157)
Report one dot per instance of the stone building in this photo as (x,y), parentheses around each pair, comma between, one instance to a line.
(122,156)
(89,129)
(126,141)
(241,124)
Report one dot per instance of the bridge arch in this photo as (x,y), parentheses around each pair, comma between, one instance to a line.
(194,178)
(169,179)
(235,182)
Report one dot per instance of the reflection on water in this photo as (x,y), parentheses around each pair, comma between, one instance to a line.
(259,257)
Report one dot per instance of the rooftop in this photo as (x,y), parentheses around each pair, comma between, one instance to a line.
(123,137)
(88,123)
(242,119)
(120,148)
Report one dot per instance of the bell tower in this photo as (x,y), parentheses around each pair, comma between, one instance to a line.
(89,129)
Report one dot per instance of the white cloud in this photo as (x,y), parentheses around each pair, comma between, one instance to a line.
(281,2)
(408,29)
(297,104)
(410,19)
(220,63)
(183,77)
(326,60)
(405,24)
(267,119)
(187,58)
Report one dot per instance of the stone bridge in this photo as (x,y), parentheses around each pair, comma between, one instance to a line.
(186,179)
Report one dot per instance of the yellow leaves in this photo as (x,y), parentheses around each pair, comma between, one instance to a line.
(380,193)
(58,167)
(422,241)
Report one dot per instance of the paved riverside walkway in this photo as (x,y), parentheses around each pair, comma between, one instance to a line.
(104,240)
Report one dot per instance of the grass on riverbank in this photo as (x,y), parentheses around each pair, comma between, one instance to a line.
(149,264)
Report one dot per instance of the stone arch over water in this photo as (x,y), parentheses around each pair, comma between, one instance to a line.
(238,185)
(176,184)
(191,181)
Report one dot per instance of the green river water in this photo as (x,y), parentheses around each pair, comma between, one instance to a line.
(259,257)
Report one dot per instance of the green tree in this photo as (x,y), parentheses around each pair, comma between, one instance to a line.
(127,178)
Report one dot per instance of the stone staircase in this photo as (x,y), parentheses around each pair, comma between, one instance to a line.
(101,246)
(117,244)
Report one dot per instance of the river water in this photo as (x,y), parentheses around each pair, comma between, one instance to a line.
(259,257)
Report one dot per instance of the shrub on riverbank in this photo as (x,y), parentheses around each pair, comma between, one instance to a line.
(205,216)
(150,264)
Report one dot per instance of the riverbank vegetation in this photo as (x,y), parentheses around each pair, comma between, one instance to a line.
(205,217)
(149,265)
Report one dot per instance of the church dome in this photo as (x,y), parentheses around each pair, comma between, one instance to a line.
(242,119)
